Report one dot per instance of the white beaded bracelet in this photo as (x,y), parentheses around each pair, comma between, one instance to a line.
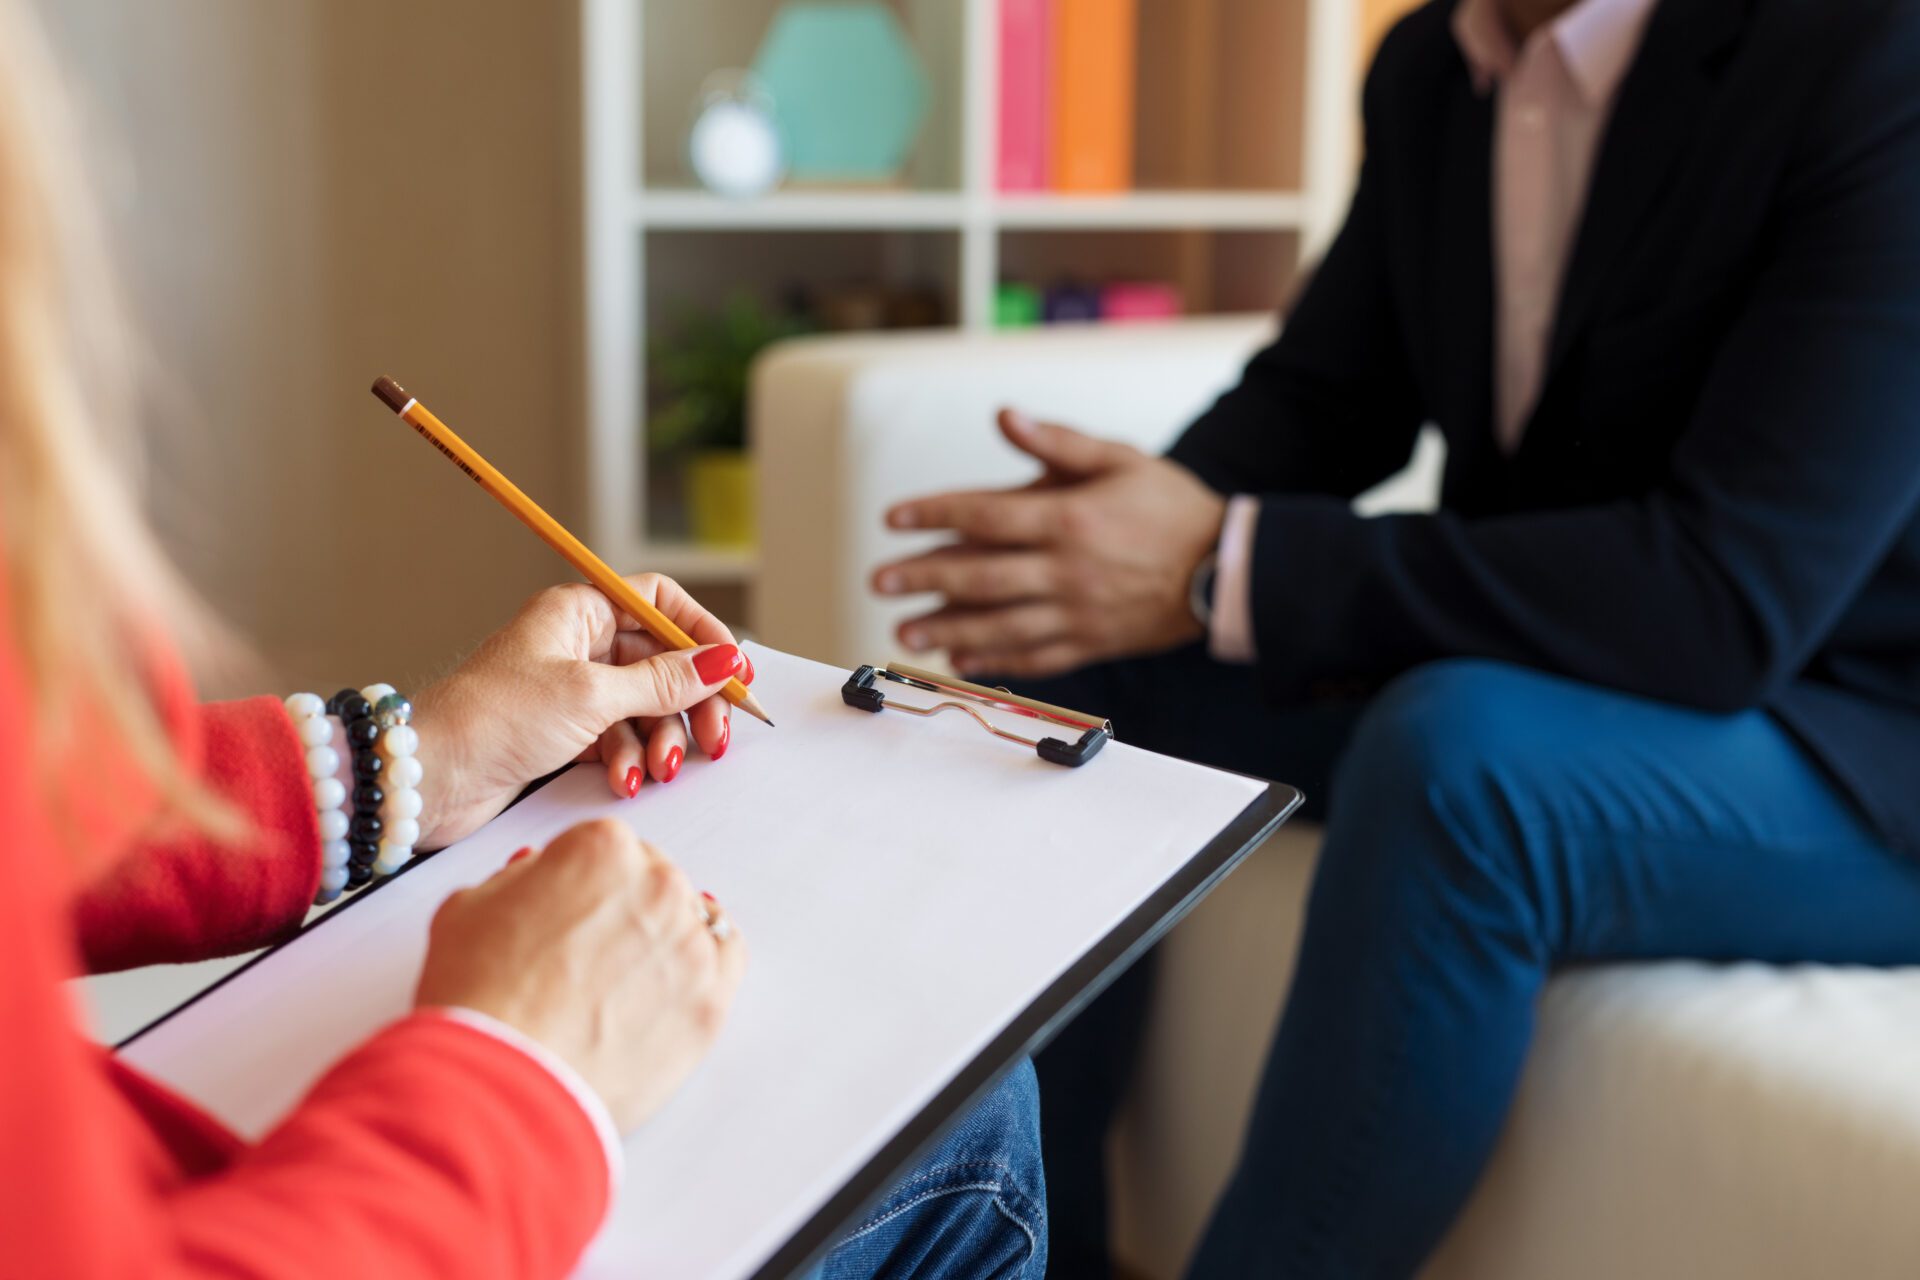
(310,722)
(400,780)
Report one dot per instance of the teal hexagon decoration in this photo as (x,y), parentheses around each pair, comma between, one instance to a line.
(848,89)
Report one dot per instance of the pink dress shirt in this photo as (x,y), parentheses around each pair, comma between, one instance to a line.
(1555,93)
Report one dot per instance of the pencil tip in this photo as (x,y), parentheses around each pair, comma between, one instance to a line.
(391,393)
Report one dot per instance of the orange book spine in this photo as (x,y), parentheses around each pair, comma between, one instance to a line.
(1094,47)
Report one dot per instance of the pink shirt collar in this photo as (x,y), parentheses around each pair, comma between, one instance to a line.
(1597,39)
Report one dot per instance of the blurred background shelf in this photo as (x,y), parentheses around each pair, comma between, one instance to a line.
(684,210)
(834,210)
(691,562)
(1244,143)
(1163,210)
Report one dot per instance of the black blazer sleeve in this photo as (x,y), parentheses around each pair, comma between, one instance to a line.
(1797,472)
(1331,406)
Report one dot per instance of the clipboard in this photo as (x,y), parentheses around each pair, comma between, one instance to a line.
(261,1009)
(1035,1028)
(864,691)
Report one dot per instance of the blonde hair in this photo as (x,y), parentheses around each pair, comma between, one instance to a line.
(90,591)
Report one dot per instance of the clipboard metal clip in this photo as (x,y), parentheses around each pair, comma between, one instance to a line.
(863,693)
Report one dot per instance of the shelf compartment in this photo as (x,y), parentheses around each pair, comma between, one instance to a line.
(682,42)
(1217,272)
(1221,99)
(837,279)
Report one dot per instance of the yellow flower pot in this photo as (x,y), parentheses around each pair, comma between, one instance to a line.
(720,503)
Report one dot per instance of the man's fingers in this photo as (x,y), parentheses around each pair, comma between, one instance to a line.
(1013,518)
(969,575)
(1012,627)
(1034,663)
(1062,448)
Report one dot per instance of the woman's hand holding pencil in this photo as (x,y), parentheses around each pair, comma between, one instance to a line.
(572,678)
(584,673)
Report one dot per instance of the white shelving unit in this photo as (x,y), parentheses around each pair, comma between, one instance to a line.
(624,211)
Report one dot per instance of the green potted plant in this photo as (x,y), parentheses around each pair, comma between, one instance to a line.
(699,367)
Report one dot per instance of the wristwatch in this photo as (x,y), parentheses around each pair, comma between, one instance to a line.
(1200,590)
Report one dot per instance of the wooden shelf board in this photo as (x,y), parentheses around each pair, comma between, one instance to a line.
(1147,210)
(681,210)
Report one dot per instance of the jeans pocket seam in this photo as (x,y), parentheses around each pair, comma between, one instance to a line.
(1019,1219)
(933,1194)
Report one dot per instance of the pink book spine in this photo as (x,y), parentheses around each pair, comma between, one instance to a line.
(1139,300)
(1025,74)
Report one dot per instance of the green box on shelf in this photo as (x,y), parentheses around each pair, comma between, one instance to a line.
(848,89)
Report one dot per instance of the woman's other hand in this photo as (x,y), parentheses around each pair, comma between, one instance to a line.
(572,678)
(598,949)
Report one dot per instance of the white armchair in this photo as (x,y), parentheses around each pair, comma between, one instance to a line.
(1676,1120)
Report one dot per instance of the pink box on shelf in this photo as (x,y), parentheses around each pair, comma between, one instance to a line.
(1140,300)
(1026,77)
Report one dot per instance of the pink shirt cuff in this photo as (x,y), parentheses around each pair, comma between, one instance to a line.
(1232,637)
(569,1079)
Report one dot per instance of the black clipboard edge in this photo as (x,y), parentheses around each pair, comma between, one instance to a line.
(1034,1027)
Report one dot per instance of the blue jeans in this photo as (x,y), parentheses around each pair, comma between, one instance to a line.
(974,1209)
(1486,825)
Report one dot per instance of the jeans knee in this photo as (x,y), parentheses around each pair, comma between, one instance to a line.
(1434,776)
(974,1206)
(1438,727)
(1005,1127)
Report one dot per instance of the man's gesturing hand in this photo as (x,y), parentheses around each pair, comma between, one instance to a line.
(1091,561)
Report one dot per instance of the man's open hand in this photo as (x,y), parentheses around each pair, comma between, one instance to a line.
(1091,561)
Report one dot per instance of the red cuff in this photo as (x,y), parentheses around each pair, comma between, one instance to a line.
(435,1142)
(183,896)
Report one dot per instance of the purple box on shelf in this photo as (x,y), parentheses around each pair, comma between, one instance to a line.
(1072,304)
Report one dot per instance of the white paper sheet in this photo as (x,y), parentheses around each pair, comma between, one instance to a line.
(907,887)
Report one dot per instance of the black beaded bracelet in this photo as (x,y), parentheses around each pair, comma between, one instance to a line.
(370,715)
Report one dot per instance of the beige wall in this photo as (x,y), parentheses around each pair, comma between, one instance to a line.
(310,193)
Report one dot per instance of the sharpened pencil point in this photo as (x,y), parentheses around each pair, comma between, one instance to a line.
(751,705)
(391,393)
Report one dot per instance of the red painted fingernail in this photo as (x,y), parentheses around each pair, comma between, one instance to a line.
(746,677)
(519,854)
(726,737)
(674,757)
(635,776)
(722,662)
(709,897)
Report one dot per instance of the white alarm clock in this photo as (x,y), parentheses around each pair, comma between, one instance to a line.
(734,145)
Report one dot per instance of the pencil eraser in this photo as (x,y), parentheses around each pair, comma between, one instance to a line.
(391,393)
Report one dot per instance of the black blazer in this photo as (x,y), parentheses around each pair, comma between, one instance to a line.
(1715,500)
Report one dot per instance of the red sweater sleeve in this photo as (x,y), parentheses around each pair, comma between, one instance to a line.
(435,1150)
(432,1151)
(185,896)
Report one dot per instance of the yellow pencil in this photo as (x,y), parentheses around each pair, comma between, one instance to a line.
(551,531)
